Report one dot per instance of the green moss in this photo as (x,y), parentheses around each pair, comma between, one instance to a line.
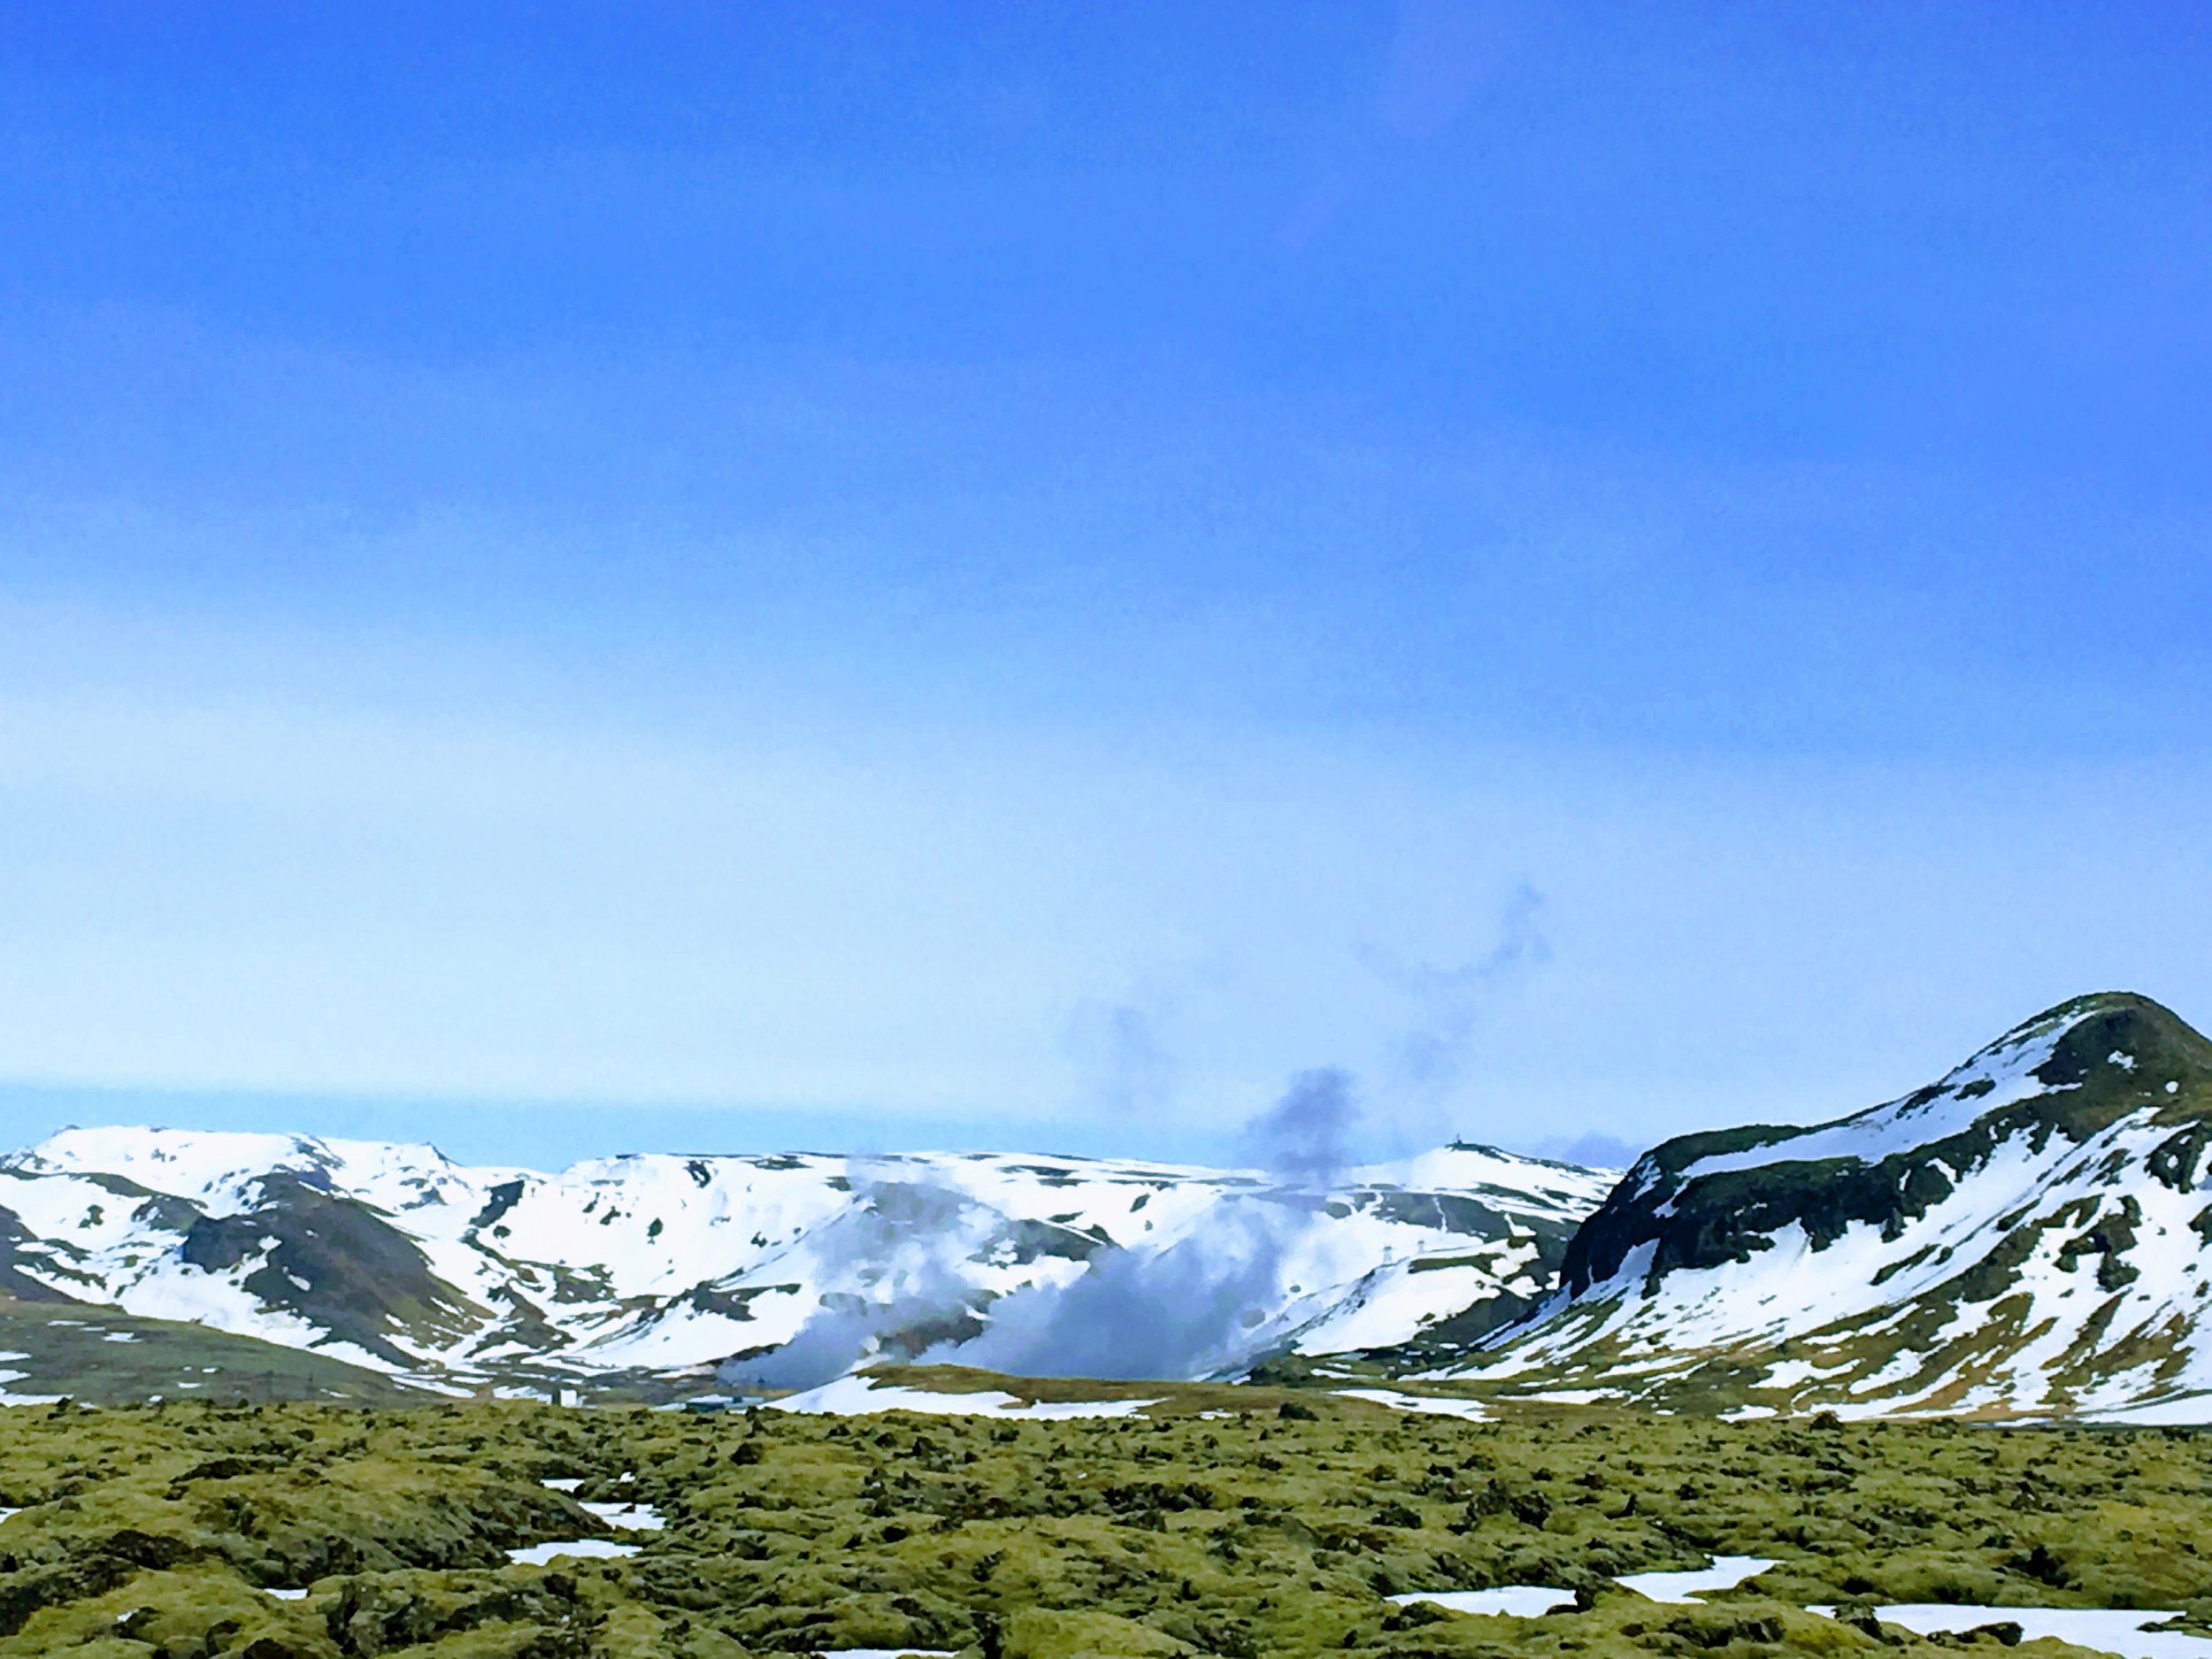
(153,1533)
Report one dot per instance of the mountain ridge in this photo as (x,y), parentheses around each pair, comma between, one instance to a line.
(789,1267)
(1925,1254)
(1998,1099)
(2029,1234)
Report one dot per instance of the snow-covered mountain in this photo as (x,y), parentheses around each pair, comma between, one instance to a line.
(783,1269)
(2029,1234)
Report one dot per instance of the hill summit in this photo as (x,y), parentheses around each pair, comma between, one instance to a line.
(2027,1233)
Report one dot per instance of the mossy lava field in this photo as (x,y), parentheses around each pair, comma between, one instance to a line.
(1214,1520)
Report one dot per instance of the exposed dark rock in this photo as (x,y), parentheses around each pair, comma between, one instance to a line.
(1720,1216)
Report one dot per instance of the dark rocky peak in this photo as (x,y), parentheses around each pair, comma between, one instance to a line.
(334,1260)
(2068,1073)
(2127,1051)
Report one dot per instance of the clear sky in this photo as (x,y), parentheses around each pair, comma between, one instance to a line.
(585,577)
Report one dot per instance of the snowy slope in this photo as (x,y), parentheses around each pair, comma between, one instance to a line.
(2029,1236)
(791,1267)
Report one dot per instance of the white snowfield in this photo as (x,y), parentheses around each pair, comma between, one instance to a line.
(2001,1075)
(665,1262)
(1725,1573)
(2106,1630)
(862,1396)
(544,1555)
(2123,1632)
(2104,1329)
(1432,1405)
(634,1518)
(1533,1600)
(1506,1600)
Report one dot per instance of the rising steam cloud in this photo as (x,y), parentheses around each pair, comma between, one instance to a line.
(1450,1003)
(876,1238)
(1194,1308)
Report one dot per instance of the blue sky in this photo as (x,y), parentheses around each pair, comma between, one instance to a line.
(600,577)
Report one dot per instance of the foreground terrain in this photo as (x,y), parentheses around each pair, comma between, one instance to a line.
(1218,1520)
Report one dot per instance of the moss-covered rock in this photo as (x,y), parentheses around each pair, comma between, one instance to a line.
(159,1534)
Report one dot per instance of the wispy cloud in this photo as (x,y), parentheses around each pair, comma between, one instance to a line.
(1450,1003)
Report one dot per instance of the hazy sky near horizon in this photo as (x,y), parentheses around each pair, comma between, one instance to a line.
(603,577)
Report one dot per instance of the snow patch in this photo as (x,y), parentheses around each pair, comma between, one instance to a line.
(636,1518)
(2116,1630)
(1436,1405)
(1725,1573)
(861,1396)
(541,1554)
(1508,1600)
